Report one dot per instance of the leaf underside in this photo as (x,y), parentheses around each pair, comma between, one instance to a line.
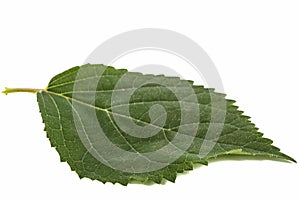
(237,134)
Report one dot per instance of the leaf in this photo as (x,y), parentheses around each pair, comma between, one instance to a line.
(117,126)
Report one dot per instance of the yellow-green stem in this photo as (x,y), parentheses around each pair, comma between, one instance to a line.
(30,90)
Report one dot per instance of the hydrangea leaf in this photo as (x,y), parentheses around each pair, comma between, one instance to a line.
(117,126)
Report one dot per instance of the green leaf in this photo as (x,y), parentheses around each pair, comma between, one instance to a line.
(117,126)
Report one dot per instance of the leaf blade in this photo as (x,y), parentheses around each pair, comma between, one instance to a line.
(57,108)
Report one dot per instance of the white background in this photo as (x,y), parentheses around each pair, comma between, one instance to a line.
(254,44)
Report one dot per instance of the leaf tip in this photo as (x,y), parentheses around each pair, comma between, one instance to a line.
(292,159)
(287,158)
